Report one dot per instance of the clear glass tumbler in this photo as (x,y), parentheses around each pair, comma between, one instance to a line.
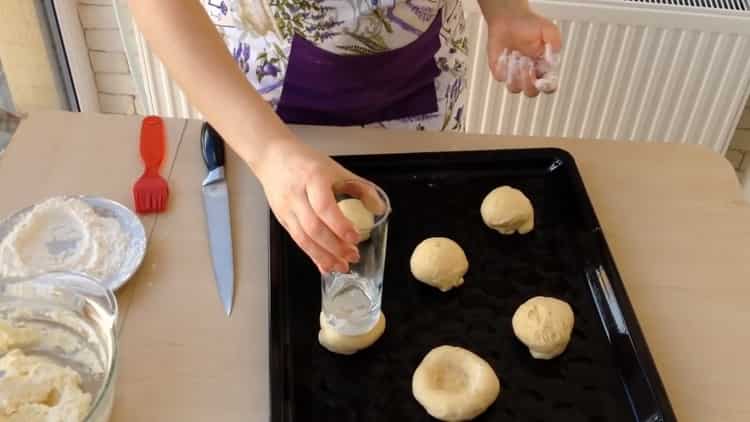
(351,301)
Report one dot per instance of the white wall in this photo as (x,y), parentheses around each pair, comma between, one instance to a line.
(117,90)
(28,60)
(115,87)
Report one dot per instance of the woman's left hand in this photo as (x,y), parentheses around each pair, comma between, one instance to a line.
(512,25)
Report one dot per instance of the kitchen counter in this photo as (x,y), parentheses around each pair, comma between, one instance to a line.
(672,214)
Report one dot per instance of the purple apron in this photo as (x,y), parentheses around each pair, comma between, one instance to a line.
(325,88)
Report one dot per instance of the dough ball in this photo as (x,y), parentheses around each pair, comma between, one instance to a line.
(348,345)
(508,210)
(544,325)
(362,218)
(454,384)
(439,262)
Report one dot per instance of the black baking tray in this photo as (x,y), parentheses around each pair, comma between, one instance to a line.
(607,372)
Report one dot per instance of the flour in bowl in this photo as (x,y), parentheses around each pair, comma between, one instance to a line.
(64,234)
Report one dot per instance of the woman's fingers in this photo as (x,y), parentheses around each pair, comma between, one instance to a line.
(500,70)
(324,260)
(528,77)
(322,235)
(365,192)
(514,82)
(551,35)
(324,204)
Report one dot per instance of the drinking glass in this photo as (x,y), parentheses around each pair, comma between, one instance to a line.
(351,301)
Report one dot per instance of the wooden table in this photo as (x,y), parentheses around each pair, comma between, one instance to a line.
(673,216)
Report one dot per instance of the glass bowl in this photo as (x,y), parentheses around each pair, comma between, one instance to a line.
(76,318)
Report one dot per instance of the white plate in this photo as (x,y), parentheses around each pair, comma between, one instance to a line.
(129,222)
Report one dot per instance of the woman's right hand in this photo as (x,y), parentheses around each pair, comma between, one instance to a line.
(299,185)
(298,180)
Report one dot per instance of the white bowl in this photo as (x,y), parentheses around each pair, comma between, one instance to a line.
(129,222)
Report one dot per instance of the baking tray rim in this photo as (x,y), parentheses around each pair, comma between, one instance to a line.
(613,304)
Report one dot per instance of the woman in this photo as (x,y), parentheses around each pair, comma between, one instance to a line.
(383,63)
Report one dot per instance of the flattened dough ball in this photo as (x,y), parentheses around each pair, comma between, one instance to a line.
(439,262)
(454,384)
(362,218)
(544,325)
(348,345)
(508,210)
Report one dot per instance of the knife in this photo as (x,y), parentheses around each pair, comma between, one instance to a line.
(216,205)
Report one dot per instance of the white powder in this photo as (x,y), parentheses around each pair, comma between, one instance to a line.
(547,66)
(64,234)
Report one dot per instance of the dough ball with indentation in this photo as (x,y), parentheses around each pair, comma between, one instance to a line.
(347,345)
(362,218)
(544,325)
(454,384)
(508,210)
(439,262)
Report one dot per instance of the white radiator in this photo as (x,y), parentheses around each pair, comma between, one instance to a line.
(651,71)
(157,93)
(162,96)
(654,70)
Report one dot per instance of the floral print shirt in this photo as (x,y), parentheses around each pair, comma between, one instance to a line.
(259,33)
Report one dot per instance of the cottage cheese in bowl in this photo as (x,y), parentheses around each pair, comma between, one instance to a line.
(58,349)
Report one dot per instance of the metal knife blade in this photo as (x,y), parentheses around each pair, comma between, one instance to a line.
(216,205)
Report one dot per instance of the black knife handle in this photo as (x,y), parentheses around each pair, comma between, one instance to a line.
(212,147)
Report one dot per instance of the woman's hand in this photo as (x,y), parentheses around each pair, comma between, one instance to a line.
(299,183)
(513,26)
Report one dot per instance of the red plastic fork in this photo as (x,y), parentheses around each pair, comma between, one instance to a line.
(151,191)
